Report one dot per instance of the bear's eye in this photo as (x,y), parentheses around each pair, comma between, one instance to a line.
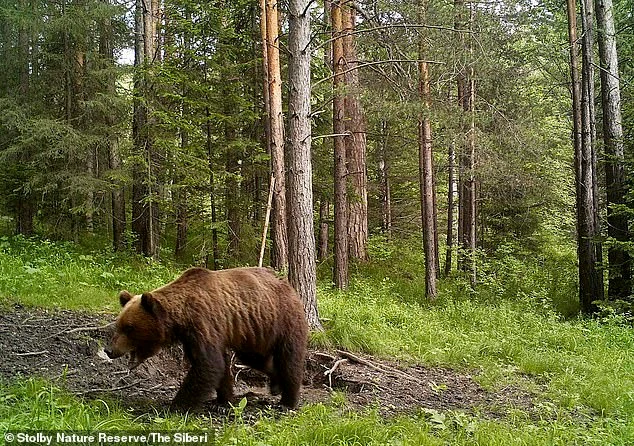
(128,328)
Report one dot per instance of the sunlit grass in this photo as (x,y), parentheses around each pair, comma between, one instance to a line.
(42,273)
(510,331)
(36,405)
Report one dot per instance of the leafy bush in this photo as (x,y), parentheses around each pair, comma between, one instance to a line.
(61,274)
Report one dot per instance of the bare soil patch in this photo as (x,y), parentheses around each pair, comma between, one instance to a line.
(64,347)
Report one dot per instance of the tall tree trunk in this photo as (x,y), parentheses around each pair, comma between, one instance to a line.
(180,202)
(324,215)
(23,51)
(467,210)
(450,206)
(233,193)
(145,206)
(588,118)
(214,264)
(279,253)
(384,173)
(471,221)
(589,282)
(340,272)
(463,161)
(301,235)
(181,192)
(355,143)
(426,168)
(25,207)
(117,197)
(620,263)
(467,234)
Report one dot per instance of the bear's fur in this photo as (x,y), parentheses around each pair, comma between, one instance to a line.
(247,310)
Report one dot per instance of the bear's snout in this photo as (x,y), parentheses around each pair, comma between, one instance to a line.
(111,354)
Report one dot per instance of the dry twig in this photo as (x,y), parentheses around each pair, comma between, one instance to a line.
(78,329)
(113,389)
(331,370)
(324,355)
(43,352)
(382,368)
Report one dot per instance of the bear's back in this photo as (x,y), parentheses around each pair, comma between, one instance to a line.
(243,305)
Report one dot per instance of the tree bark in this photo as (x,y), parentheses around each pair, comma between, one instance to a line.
(355,143)
(588,117)
(279,232)
(144,207)
(463,161)
(620,263)
(450,207)
(117,196)
(23,51)
(214,264)
(181,192)
(340,272)
(301,235)
(426,168)
(232,193)
(384,173)
(324,214)
(467,205)
(25,207)
(588,275)
(471,221)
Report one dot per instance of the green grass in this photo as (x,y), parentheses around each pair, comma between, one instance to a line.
(515,329)
(585,363)
(36,405)
(61,275)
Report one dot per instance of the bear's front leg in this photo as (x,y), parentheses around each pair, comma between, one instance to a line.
(224,391)
(205,374)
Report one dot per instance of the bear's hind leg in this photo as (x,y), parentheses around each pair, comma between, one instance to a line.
(289,363)
(205,374)
(263,364)
(224,390)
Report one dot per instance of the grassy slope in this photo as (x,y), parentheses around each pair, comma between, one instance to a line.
(507,330)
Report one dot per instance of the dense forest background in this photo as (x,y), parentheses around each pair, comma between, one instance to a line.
(155,126)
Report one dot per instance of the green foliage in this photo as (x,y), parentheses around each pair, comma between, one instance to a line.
(34,404)
(513,324)
(42,273)
(506,333)
(37,405)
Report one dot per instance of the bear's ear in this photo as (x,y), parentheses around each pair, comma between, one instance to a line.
(124,297)
(150,304)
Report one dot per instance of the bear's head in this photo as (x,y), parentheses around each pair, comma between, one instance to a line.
(139,329)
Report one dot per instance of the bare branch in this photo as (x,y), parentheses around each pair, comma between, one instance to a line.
(43,352)
(397,25)
(78,329)
(377,62)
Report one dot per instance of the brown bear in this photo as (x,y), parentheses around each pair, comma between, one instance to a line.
(247,310)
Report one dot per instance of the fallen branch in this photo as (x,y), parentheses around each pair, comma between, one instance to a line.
(383,368)
(149,389)
(325,355)
(78,329)
(113,389)
(331,370)
(43,352)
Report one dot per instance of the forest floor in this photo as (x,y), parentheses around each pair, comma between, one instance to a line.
(66,348)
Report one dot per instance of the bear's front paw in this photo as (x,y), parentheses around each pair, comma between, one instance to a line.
(180,406)
(275,388)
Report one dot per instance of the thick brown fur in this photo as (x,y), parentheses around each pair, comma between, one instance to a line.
(247,310)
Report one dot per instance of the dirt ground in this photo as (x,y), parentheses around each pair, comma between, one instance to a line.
(66,347)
